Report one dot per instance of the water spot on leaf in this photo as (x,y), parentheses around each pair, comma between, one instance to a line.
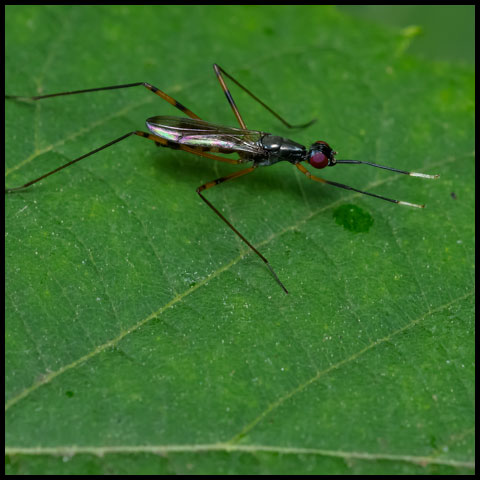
(353,218)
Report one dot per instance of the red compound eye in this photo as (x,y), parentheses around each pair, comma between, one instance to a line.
(319,160)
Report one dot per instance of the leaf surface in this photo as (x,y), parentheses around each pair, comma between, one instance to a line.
(137,324)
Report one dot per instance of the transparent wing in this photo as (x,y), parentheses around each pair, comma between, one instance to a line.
(206,135)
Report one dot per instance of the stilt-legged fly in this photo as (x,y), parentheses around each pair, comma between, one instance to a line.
(259,149)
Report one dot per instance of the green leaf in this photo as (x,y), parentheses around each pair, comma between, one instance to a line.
(142,336)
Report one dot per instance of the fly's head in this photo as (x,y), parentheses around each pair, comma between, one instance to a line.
(321,155)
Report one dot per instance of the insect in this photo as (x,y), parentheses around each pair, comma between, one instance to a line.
(257,148)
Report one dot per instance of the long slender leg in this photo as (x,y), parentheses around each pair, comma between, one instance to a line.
(158,140)
(150,87)
(208,185)
(231,101)
(346,187)
(219,70)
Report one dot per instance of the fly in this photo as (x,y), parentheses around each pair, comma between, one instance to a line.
(257,148)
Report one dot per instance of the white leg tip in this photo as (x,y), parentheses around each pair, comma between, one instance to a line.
(423,175)
(411,204)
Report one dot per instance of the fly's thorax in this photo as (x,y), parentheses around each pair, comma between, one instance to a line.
(279,149)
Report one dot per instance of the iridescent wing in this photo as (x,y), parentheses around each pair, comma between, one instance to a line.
(208,136)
